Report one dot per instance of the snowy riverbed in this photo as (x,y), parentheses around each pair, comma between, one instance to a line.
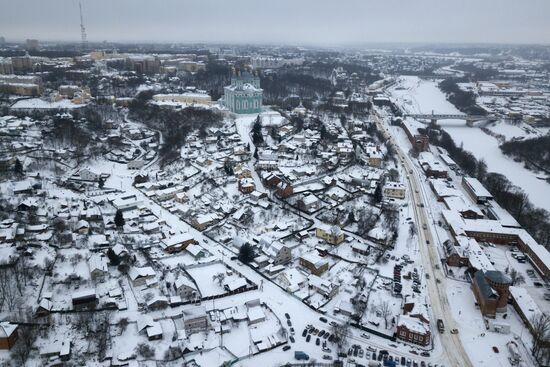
(423,96)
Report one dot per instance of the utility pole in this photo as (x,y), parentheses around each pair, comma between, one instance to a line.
(82,28)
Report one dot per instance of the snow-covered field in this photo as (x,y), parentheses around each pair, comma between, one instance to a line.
(423,96)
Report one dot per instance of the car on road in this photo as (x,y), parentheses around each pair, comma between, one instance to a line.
(495,349)
(286,347)
(365,335)
(323,319)
(440,326)
(454,331)
(427,242)
(233,258)
(437,280)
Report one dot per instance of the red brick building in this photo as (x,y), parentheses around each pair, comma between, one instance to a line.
(491,290)
(413,330)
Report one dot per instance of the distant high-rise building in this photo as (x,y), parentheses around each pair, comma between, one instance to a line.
(6,66)
(244,95)
(32,44)
(2,40)
(22,64)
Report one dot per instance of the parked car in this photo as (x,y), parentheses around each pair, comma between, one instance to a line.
(495,349)
(425,354)
(304,333)
(286,347)
(317,341)
(327,357)
(308,338)
(454,331)
(321,333)
(365,335)
(287,316)
(292,340)
(323,319)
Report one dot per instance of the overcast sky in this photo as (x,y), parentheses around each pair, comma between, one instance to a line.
(344,22)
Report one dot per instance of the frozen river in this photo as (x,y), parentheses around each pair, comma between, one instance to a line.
(423,96)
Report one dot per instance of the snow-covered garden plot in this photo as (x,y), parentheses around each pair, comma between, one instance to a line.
(356,250)
(307,202)
(335,195)
(214,278)
(281,221)
(382,307)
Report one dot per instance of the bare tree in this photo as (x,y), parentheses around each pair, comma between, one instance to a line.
(385,311)
(516,277)
(219,277)
(541,334)
(22,348)
(341,333)
(145,350)
(412,229)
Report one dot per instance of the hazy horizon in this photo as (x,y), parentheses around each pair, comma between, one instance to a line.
(350,23)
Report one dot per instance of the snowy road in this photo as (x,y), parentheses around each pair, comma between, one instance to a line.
(451,343)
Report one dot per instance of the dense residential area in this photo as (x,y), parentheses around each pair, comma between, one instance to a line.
(217,205)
